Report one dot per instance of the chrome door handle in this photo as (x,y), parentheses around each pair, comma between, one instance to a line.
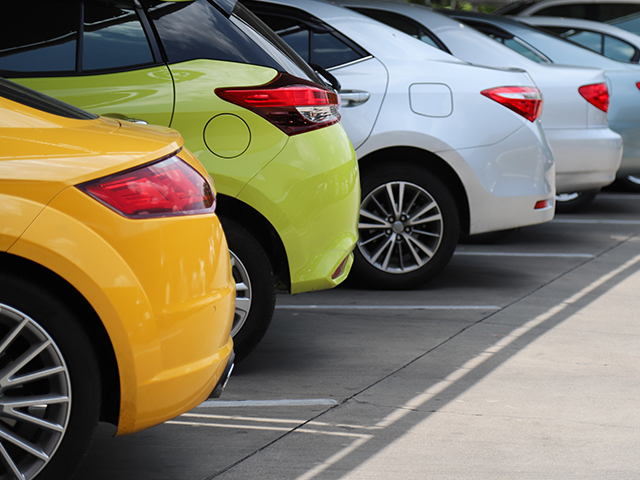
(351,98)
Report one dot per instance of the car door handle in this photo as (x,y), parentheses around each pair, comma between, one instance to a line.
(352,98)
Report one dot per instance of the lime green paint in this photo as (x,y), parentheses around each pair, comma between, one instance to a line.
(227,136)
(197,104)
(311,195)
(142,94)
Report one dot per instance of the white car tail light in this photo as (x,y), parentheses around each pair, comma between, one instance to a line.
(160,189)
(597,95)
(525,101)
(292,104)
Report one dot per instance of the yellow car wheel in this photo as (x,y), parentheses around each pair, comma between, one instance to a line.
(49,384)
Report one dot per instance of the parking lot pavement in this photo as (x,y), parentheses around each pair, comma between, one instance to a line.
(520,361)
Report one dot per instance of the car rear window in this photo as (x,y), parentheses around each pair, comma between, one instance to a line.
(39,101)
(199,30)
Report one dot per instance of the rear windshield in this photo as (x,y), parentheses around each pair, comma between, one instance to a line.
(199,30)
(39,101)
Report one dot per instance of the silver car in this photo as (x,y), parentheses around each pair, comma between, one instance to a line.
(443,148)
(622,78)
(586,150)
(602,38)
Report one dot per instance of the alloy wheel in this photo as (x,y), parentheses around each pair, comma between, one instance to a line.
(35,395)
(401,227)
(243,293)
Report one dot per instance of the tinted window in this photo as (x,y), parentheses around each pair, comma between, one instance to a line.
(33,99)
(521,48)
(508,40)
(599,12)
(591,40)
(609,11)
(196,30)
(313,45)
(571,11)
(113,38)
(43,38)
(271,43)
(630,23)
(619,50)
(400,22)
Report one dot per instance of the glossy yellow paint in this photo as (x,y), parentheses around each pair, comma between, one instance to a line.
(162,287)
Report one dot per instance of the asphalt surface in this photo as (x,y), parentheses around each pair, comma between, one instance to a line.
(520,361)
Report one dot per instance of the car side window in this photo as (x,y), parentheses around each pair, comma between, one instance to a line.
(400,22)
(575,10)
(45,45)
(619,50)
(508,40)
(113,38)
(609,11)
(314,45)
(591,40)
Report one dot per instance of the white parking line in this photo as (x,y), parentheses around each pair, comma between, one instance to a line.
(388,307)
(523,254)
(269,403)
(596,221)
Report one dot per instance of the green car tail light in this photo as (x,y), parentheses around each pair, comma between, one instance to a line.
(291,104)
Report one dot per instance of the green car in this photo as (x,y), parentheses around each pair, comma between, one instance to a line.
(262,122)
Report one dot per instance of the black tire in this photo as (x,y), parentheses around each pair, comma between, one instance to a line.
(255,288)
(388,254)
(68,396)
(630,183)
(574,202)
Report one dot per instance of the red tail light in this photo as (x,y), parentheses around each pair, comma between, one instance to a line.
(164,188)
(597,95)
(525,101)
(291,104)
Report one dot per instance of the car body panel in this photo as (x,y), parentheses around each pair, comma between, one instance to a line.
(624,46)
(317,183)
(162,287)
(583,161)
(473,154)
(145,94)
(205,119)
(624,102)
(596,10)
(368,77)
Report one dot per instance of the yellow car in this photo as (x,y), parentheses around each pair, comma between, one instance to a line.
(116,293)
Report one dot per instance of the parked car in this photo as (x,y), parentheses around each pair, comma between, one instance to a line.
(602,38)
(116,296)
(596,10)
(255,116)
(443,146)
(622,78)
(629,23)
(587,152)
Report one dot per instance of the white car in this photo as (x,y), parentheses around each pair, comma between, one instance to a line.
(623,79)
(596,10)
(587,152)
(602,38)
(443,148)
